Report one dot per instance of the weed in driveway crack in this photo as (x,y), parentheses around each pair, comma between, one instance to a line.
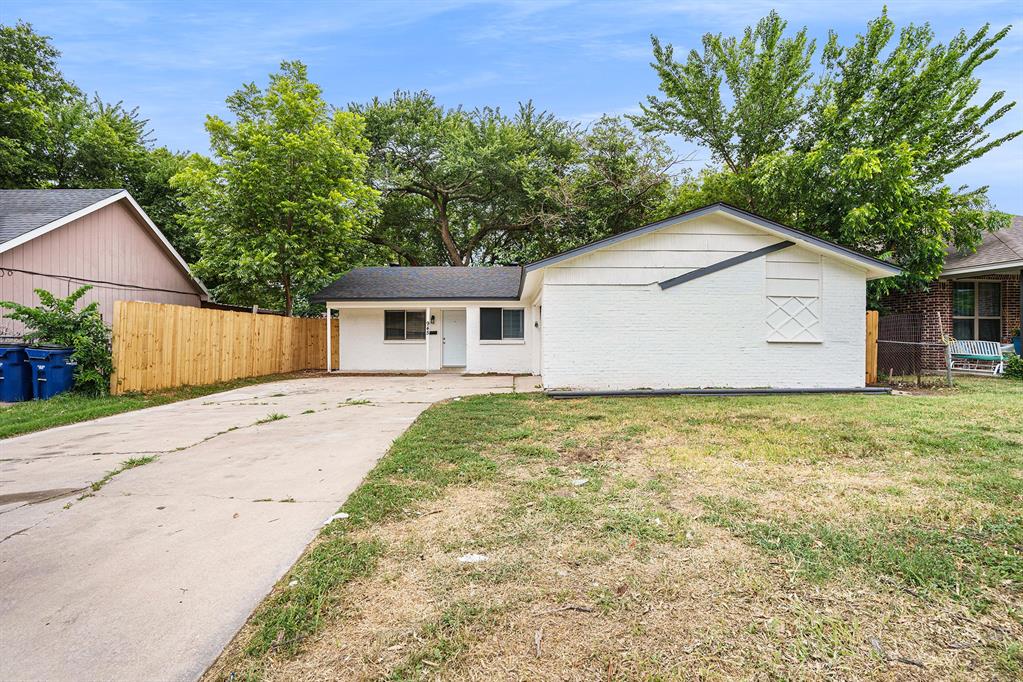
(272,417)
(125,465)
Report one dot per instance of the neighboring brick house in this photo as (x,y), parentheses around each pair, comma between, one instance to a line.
(977,295)
(61,239)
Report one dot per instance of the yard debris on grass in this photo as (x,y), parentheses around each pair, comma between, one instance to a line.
(336,517)
(824,537)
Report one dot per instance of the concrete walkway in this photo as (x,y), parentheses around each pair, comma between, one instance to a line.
(152,576)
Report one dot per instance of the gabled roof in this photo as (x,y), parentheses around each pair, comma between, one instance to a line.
(877,267)
(425,284)
(26,214)
(997,250)
(24,210)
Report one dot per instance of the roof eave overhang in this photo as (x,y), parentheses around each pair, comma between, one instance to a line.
(989,268)
(388,299)
(875,268)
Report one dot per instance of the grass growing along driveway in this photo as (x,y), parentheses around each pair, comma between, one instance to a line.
(809,536)
(70,408)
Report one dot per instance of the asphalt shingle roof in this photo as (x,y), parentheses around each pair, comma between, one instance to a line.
(425,283)
(1003,246)
(23,210)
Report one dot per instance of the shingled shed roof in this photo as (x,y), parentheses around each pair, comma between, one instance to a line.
(426,284)
(996,248)
(24,210)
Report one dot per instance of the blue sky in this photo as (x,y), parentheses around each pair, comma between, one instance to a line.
(177,61)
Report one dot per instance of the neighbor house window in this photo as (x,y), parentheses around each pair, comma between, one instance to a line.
(404,325)
(498,324)
(977,311)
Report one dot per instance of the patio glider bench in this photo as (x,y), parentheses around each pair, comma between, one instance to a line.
(976,356)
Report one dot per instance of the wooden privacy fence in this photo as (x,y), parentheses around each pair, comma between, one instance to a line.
(156,345)
(871,369)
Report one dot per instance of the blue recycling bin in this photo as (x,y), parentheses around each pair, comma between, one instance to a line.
(15,374)
(52,371)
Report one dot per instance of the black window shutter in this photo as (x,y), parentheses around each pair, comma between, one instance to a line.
(490,324)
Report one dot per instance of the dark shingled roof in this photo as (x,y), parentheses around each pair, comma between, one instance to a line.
(1004,246)
(425,283)
(23,210)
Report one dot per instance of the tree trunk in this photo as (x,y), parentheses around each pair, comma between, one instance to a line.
(454,256)
(286,280)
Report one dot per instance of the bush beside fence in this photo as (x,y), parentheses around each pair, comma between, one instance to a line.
(157,345)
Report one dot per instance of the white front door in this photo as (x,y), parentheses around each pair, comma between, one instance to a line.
(454,338)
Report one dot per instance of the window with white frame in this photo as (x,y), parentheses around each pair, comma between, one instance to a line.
(977,311)
(404,325)
(499,324)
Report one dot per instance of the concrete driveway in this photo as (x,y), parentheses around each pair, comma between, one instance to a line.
(153,575)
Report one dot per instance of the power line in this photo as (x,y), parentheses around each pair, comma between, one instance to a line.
(6,271)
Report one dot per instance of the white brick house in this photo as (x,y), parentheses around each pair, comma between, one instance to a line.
(716,297)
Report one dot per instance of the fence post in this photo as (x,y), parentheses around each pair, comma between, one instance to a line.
(870,375)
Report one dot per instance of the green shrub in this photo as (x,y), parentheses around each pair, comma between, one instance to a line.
(1014,367)
(55,321)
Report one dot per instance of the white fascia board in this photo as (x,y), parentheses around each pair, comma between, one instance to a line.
(60,222)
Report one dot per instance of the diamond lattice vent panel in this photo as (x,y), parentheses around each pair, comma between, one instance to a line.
(794,318)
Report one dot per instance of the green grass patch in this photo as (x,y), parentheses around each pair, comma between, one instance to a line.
(956,561)
(297,609)
(444,639)
(71,408)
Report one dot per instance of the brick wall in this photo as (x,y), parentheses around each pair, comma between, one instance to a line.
(935,304)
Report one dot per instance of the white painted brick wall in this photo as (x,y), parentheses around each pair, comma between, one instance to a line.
(710,332)
(363,348)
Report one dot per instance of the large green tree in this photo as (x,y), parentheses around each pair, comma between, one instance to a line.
(278,207)
(619,180)
(31,85)
(476,187)
(454,182)
(52,135)
(858,153)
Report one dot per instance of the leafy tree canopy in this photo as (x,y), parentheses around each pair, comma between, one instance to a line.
(52,135)
(475,187)
(858,153)
(279,206)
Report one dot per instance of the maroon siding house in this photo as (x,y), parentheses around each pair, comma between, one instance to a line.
(61,239)
(977,296)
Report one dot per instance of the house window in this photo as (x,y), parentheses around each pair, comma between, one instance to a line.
(498,324)
(977,311)
(404,325)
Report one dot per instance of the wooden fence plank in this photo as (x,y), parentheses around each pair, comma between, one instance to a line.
(158,346)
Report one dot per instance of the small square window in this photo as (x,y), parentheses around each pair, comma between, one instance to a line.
(404,325)
(497,324)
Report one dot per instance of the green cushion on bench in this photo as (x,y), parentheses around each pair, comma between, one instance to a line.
(990,358)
